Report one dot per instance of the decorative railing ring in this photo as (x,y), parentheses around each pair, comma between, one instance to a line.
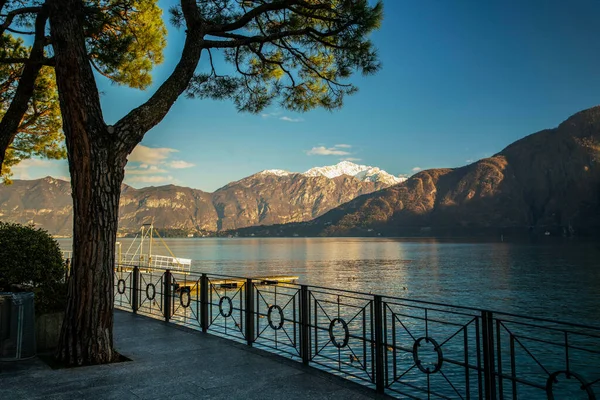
(552,380)
(185,304)
(436,348)
(280,311)
(148,295)
(121,286)
(228,314)
(337,344)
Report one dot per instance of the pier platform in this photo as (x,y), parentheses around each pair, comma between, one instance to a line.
(172,362)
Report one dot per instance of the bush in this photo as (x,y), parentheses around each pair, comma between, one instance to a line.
(31,258)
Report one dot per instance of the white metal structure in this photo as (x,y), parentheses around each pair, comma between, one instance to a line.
(142,254)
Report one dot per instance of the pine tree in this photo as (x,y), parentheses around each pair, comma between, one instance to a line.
(298,53)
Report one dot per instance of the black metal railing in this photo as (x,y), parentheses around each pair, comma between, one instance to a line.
(401,347)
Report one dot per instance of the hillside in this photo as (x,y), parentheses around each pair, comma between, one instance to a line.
(546,182)
(267,197)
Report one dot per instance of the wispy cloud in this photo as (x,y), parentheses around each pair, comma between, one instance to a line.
(150,155)
(150,179)
(22,169)
(416,169)
(336,150)
(350,159)
(179,164)
(148,170)
(277,114)
(469,161)
(289,119)
(271,114)
(324,151)
(153,165)
(32,162)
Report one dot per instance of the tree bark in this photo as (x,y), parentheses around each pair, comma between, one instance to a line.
(96,177)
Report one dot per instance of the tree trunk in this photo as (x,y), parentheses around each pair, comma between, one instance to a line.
(97,156)
(86,336)
(97,169)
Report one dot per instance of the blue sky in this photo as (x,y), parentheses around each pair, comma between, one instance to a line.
(460,81)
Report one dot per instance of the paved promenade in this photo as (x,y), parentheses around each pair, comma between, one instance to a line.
(169,362)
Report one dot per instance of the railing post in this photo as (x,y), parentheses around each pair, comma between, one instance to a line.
(249,312)
(379,353)
(67,269)
(204,303)
(167,295)
(304,325)
(487,319)
(135,290)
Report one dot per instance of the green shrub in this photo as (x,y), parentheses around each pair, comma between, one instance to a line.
(31,257)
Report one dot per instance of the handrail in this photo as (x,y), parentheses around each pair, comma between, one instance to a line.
(401,347)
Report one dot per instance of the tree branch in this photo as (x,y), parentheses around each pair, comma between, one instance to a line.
(10,16)
(247,40)
(262,9)
(50,62)
(20,102)
(19,32)
(241,40)
(131,128)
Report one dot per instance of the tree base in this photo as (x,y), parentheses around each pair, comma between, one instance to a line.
(49,358)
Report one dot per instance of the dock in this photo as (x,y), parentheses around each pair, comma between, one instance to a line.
(260,280)
(233,283)
(182,279)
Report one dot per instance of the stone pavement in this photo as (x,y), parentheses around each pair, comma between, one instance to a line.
(171,362)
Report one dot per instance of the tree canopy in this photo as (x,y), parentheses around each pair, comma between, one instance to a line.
(300,53)
(39,131)
(125,39)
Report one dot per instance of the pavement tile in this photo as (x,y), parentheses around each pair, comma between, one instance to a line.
(176,363)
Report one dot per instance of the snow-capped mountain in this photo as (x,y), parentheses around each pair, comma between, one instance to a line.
(363,173)
(278,172)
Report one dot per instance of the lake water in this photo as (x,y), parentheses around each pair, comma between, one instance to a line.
(550,279)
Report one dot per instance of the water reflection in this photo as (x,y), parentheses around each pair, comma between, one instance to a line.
(556,280)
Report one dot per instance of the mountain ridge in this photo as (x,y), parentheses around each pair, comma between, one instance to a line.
(548,181)
(253,200)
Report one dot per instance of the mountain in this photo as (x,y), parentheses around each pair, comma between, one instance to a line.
(362,172)
(268,197)
(45,202)
(546,182)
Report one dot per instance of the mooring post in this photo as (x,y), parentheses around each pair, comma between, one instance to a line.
(204,318)
(135,290)
(304,325)
(487,319)
(167,295)
(379,352)
(249,312)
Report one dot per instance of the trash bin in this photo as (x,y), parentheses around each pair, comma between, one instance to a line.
(17,326)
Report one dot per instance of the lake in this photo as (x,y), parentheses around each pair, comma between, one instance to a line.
(553,278)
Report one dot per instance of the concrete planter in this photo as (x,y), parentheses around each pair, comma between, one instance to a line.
(47,330)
